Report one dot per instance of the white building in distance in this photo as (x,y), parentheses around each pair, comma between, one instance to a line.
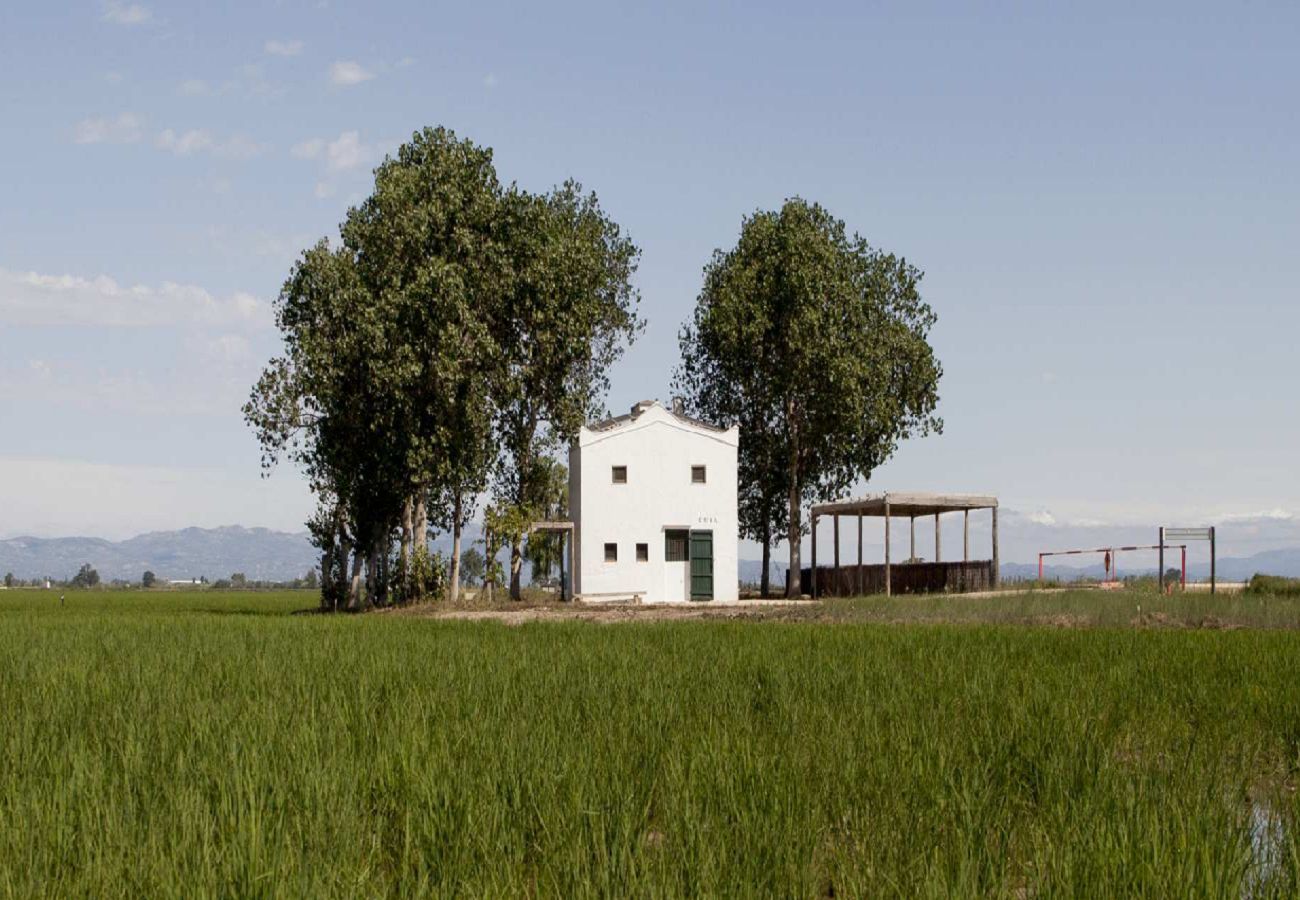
(652,495)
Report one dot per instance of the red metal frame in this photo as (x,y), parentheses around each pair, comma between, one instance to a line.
(1113,573)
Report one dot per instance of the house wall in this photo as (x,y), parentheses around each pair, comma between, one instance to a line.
(658,450)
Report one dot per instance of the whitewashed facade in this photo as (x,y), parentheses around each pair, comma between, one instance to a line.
(652,495)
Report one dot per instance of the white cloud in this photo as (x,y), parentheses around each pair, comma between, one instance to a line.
(228,348)
(323,190)
(30,298)
(490,80)
(310,149)
(126,13)
(184,144)
(198,140)
(238,146)
(1041,517)
(346,73)
(1270,515)
(125,128)
(283,48)
(347,151)
(194,87)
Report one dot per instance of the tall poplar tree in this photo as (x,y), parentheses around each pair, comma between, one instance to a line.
(572,310)
(815,344)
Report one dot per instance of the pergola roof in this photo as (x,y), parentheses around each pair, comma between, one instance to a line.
(905,503)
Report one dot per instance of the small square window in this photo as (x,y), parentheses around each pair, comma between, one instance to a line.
(611,553)
(698,475)
(642,552)
(620,474)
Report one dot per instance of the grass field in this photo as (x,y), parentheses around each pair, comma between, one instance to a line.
(205,744)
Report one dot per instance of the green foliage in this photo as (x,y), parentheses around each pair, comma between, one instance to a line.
(460,329)
(86,577)
(149,579)
(1274,585)
(9,579)
(428,572)
(549,502)
(472,566)
(815,344)
(571,311)
(260,752)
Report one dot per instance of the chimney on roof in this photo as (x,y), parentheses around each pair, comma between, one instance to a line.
(679,406)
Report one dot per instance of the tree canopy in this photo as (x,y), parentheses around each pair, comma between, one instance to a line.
(815,343)
(456,332)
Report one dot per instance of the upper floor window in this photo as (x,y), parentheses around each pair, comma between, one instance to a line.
(620,474)
(698,475)
(611,553)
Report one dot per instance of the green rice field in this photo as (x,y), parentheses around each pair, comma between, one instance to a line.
(203,744)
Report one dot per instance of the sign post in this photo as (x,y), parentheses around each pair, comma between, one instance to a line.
(1184,535)
(1161,576)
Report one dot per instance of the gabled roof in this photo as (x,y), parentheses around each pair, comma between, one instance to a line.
(643,406)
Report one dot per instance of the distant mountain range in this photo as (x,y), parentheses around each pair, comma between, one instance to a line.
(212,553)
(267,555)
(261,554)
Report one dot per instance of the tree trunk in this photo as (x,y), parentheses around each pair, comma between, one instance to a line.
(794,579)
(372,576)
(354,588)
(408,545)
(516,569)
(328,599)
(489,571)
(453,580)
(765,581)
(421,525)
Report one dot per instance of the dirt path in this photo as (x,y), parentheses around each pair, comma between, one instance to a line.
(610,613)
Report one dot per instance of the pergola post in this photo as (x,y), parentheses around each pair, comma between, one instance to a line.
(887,591)
(564,585)
(965,536)
(813,538)
(938,557)
(1160,566)
(996,577)
(858,580)
(836,523)
(1214,575)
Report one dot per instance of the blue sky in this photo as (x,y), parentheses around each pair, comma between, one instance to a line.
(1105,202)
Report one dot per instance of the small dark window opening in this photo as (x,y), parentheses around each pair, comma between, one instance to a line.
(676,546)
(611,553)
(642,552)
(697,475)
(620,474)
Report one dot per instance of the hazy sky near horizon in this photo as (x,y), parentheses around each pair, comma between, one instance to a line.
(1105,201)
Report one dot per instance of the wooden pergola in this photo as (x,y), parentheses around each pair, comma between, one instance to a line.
(912,505)
(565,530)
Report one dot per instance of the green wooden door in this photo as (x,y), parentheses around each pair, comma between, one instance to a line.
(701,565)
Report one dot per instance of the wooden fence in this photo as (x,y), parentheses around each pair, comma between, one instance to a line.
(904,578)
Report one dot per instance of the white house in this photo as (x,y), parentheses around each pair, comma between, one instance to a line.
(652,495)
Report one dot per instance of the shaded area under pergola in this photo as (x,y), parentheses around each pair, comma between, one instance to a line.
(565,531)
(911,576)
